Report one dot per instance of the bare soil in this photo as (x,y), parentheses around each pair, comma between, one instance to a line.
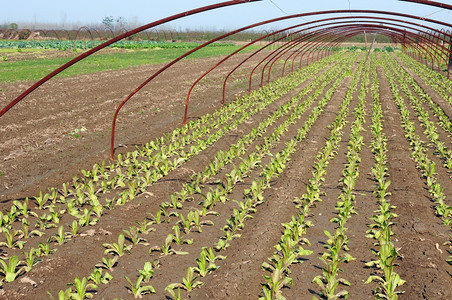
(65,125)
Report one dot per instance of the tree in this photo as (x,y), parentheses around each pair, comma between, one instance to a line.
(13,26)
(114,24)
(108,22)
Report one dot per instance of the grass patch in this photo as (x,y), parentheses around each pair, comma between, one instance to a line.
(37,68)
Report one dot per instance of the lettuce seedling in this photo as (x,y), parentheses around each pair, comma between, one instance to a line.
(147,271)
(9,269)
(82,289)
(98,277)
(117,248)
(137,290)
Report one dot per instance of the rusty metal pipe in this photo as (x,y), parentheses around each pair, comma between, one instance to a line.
(114,40)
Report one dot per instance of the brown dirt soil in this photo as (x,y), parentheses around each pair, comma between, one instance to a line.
(64,127)
(48,53)
(39,144)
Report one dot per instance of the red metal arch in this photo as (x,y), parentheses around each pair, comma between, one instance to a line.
(77,36)
(293,16)
(8,33)
(114,40)
(295,33)
(223,36)
(431,3)
(139,29)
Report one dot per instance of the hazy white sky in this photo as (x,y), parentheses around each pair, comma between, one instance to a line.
(84,12)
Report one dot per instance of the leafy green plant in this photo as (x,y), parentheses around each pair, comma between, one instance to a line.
(11,268)
(137,290)
(62,295)
(166,249)
(44,248)
(144,227)
(133,236)
(189,282)
(31,259)
(42,199)
(9,236)
(205,266)
(147,271)
(82,289)
(98,277)
(108,263)
(119,248)
(60,237)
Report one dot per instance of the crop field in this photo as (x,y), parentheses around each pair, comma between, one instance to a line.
(31,60)
(333,181)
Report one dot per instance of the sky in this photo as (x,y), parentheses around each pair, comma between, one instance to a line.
(75,13)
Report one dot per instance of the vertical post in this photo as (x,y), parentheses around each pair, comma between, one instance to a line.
(404,41)
(449,65)
(370,49)
(365,38)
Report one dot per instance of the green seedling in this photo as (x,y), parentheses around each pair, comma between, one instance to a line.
(62,295)
(210,255)
(189,282)
(23,208)
(177,238)
(44,248)
(26,233)
(74,228)
(133,236)
(175,295)
(98,277)
(137,290)
(60,237)
(31,259)
(42,199)
(147,271)
(144,227)
(274,284)
(11,268)
(108,263)
(9,236)
(204,265)
(119,248)
(82,289)
(166,249)
(221,245)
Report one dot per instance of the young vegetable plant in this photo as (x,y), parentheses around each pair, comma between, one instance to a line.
(204,265)
(108,263)
(189,282)
(133,236)
(98,277)
(274,284)
(31,259)
(44,248)
(119,248)
(11,268)
(62,295)
(82,289)
(137,290)
(177,237)
(166,249)
(10,235)
(60,237)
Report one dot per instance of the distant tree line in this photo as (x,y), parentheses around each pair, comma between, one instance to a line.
(9,26)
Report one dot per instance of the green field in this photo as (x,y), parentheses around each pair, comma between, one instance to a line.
(36,68)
